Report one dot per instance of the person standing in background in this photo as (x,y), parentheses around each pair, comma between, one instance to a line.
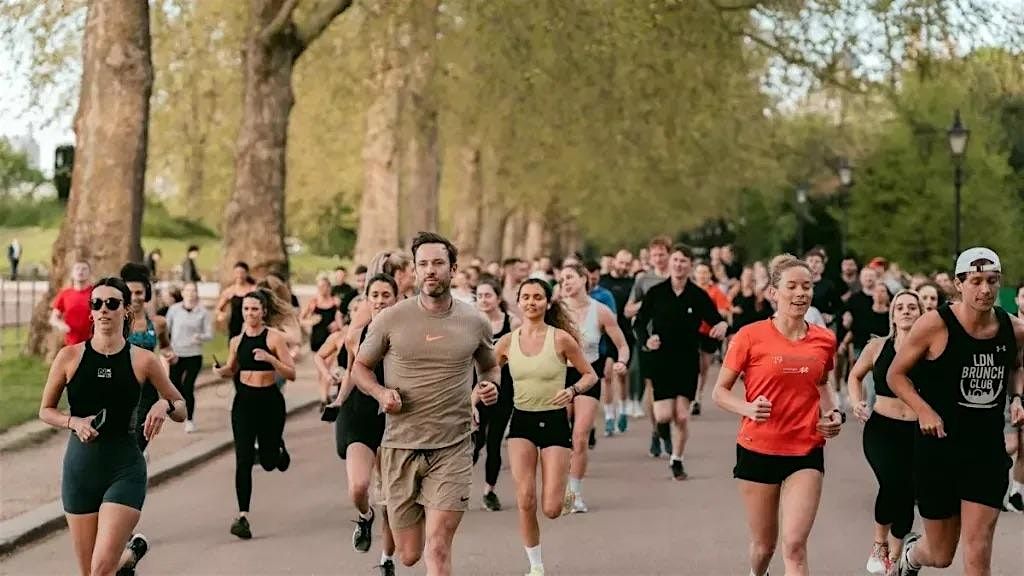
(190,268)
(14,257)
(70,314)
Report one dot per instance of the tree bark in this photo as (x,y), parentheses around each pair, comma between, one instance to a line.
(466,215)
(493,215)
(515,235)
(103,222)
(420,179)
(533,246)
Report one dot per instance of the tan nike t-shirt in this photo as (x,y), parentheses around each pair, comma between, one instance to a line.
(428,357)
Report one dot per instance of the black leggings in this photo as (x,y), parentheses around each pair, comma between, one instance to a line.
(257,414)
(889,447)
(493,421)
(183,376)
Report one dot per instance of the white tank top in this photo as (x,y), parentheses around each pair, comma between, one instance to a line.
(590,333)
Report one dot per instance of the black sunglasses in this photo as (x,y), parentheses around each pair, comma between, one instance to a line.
(113,304)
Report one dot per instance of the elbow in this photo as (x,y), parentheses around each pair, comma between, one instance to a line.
(716,396)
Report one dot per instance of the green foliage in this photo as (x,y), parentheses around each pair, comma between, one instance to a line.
(25,211)
(23,378)
(15,171)
(157,222)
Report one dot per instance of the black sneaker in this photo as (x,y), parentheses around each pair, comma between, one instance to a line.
(240,528)
(387,568)
(901,567)
(655,446)
(695,409)
(138,545)
(362,536)
(1014,502)
(678,472)
(285,459)
(491,502)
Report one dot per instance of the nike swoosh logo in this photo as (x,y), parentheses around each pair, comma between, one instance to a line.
(433,338)
(464,499)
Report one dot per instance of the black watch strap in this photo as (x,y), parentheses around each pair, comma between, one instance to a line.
(170,406)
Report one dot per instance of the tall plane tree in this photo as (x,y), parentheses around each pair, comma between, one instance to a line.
(104,216)
(254,216)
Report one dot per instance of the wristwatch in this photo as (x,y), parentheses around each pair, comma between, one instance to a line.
(1015,396)
(842,415)
(170,407)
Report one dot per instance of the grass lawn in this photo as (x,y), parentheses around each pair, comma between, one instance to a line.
(22,377)
(37,244)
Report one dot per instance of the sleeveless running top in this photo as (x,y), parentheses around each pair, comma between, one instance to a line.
(357,400)
(105,382)
(144,338)
(537,378)
(590,333)
(506,327)
(881,368)
(343,351)
(247,346)
(322,329)
(236,321)
(969,380)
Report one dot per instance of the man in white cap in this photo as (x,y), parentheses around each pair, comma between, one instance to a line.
(964,357)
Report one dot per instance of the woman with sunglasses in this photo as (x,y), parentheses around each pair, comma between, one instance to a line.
(888,434)
(257,356)
(104,474)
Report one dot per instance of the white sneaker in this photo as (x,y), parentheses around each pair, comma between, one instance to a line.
(190,427)
(878,561)
(578,505)
(536,571)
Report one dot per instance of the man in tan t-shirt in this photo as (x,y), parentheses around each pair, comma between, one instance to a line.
(428,345)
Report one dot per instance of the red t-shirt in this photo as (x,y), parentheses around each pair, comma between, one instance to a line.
(722,304)
(788,374)
(73,306)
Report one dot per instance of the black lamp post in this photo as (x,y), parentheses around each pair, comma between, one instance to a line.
(845,172)
(958,137)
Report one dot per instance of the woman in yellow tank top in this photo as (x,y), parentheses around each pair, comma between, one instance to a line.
(536,354)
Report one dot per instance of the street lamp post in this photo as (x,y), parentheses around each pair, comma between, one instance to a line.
(958,137)
(845,172)
(801,201)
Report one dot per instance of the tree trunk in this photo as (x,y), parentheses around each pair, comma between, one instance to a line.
(103,222)
(197,127)
(378,208)
(466,216)
(515,235)
(420,179)
(492,224)
(534,244)
(254,216)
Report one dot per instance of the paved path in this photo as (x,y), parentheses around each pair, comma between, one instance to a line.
(641,522)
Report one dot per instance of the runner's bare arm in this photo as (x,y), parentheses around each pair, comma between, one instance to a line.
(610,325)
(568,348)
(913,350)
(864,364)
(501,349)
(229,368)
(281,359)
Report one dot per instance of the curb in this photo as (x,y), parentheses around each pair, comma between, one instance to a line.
(36,431)
(48,518)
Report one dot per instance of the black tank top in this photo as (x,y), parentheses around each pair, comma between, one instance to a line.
(105,382)
(343,352)
(322,329)
(506,327)
(357,400)
(246,346)
(969,381)
(881,367)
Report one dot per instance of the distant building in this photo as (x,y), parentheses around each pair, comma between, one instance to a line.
(27,146)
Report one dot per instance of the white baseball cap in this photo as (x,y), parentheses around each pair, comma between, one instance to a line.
(963,263)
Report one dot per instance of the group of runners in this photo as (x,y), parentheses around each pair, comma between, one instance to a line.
(425,367)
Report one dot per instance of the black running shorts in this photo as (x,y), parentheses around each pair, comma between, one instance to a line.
(544,429)
(573,375)
(770,469)
(945,475)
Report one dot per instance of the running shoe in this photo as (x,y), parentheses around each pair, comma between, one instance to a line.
(567,502)
(491,502)
(609,427)
(387,568)
(362,536)
(695,409)
(623,423)
(578,505)
(536,571)
(240,528)
(285,459)
(1014,502)
(878,561)
(190,426)
(678,472)
(655,446)
(138,545)
(901,567)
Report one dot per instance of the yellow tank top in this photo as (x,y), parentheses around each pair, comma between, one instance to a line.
(536,379)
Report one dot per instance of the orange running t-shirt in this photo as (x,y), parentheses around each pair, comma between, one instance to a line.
(788,374)
(722,304)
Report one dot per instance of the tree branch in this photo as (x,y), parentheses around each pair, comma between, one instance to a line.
(279,22)
(319,20)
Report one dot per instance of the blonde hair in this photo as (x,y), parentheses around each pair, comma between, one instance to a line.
(892,308)
(780,264)
(388,262)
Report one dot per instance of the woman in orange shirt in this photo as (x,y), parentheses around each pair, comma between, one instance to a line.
(787,413)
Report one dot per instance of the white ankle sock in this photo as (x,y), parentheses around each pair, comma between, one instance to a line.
(384,558)
(368,515)
(1018,487)
(574,484)
(534,555)
(609,411)
(619,407)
